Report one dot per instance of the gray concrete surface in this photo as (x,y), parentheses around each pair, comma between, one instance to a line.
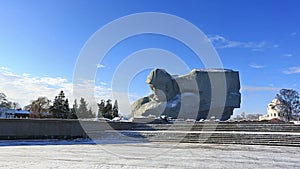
(149,155)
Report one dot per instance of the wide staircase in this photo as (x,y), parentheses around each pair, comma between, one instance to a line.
(254,133)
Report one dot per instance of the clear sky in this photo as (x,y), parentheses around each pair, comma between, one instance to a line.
(41,40)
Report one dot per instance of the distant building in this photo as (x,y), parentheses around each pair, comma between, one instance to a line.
(273,112)
(12,113)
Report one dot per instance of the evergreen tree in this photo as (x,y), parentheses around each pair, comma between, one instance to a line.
(67,109)
(3,100)
(116,109)
(101,107)
(75,105)
(5,103)
(108,112)
(82,111)
(73,111)
(90,113)
(60,107)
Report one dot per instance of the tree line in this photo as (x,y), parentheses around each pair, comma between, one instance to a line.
(288,105)
(59,108)
(4,102)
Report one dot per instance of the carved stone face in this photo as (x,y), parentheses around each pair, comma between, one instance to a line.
(161,83)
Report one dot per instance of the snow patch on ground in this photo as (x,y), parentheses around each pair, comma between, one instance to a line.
(85,154)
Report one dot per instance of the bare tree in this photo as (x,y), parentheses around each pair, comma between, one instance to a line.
(15,105)
(40,105)
(289,103)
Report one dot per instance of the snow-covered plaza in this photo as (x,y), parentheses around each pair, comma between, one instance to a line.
(111,154)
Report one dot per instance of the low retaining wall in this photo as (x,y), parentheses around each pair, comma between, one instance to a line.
(55,128)
(40,129)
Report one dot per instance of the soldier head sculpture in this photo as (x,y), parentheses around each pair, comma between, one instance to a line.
(167,97)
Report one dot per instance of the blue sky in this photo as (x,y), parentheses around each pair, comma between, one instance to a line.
(41,40)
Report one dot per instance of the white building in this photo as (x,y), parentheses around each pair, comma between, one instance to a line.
(273,112)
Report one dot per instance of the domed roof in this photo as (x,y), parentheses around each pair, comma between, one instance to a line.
(275,101)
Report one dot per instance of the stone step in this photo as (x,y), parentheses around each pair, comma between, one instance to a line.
(187,127)
(255,134)
(221,138)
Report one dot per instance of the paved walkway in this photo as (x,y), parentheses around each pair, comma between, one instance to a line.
(149,155)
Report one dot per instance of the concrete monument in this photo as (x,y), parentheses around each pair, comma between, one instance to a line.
(190,96)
